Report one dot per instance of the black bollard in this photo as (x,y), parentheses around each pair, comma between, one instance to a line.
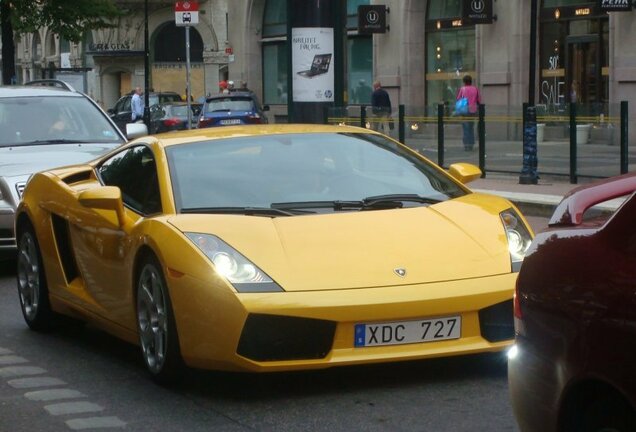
(529,171)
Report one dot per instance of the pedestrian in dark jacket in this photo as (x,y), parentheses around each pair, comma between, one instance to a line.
(381,108)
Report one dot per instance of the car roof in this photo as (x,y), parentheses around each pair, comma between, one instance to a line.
(232,94)
(206,134)
(32,91)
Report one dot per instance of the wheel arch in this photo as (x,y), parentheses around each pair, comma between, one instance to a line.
(580,395)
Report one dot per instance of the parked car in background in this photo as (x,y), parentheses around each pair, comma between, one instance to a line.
(234,108)
(121,113)
(173,116)
(281,247)
(573,366)
(43,125)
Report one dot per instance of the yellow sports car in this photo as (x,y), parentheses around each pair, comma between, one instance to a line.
(270,248)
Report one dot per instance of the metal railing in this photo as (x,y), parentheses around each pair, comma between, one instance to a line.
(573,140)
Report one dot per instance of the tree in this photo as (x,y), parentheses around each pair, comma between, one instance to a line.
(70,19)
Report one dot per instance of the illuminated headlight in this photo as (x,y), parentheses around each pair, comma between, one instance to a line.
(519,238)
(244,275)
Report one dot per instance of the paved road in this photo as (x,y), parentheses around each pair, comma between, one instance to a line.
(83,380)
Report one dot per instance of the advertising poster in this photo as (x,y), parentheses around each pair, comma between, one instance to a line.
(312,68)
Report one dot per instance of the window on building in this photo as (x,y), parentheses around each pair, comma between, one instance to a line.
(275,53)
(561,3)
(170,46)
(450,51)
(359,58)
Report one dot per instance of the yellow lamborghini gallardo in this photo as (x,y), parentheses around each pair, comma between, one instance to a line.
(271,248)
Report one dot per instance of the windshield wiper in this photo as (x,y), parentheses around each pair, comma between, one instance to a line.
(248,211)
(376,202)
(336,205)
(380,200)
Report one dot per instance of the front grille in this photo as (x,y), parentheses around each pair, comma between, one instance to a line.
(19,187)
(273,337)
(496,322)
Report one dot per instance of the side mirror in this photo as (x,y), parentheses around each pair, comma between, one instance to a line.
(136,130)
(464,172)
(104,198)
(265,107)
(111,111)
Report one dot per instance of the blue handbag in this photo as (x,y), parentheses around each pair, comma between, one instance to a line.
(461,106)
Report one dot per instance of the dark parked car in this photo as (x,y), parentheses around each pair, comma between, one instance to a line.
(235,108)
(173,116)
(573,367)
(121,113)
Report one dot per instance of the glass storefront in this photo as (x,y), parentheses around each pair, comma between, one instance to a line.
(574,60)
(450,51)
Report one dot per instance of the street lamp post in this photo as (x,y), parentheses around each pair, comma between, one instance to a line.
(146,68)
(529,171)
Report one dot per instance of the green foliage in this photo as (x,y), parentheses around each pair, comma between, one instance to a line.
(70,19)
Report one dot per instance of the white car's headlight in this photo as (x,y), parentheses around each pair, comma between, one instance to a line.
(519,238)
(244,275)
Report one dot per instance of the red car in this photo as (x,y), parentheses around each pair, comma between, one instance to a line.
(573,367)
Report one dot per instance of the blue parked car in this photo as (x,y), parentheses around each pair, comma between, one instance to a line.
(235,108)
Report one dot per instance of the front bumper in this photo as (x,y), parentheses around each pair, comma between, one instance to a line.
(212,324)
(7,234)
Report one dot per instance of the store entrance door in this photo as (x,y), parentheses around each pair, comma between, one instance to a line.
(583,70)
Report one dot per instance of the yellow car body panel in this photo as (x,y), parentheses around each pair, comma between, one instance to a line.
(338,267)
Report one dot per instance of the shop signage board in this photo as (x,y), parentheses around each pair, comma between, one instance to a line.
(615,5)
(477,11)
(186,13)
(371,19)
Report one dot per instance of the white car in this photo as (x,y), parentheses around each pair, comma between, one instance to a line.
(43,125)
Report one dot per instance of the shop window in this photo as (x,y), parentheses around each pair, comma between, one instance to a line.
(561,3)
(352,12)
(360,68)
(275,19)
(450,51)
(275,73)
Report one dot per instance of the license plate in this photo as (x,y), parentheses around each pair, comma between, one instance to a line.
(230,122)
(408,332)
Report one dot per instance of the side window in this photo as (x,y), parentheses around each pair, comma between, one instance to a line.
(134,171)
(127,104)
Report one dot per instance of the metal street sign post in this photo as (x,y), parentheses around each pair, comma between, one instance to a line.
(186,14)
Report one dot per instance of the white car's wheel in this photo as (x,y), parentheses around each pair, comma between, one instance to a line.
(155,322)
(32,288)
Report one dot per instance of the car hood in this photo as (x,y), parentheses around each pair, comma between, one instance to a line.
(458,239)
(25,160)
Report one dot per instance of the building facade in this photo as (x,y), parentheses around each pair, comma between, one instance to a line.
(584,54)
(110,62)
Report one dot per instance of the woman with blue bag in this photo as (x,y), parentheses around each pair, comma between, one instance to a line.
(466,105)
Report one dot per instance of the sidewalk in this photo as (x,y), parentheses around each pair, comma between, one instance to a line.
(533,200)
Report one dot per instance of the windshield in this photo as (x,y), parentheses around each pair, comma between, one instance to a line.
(230,104)
(284,171)
(52,120)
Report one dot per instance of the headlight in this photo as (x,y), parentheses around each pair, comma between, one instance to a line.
(244,275)
(519,238)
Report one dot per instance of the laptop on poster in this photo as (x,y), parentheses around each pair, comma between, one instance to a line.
(319,66)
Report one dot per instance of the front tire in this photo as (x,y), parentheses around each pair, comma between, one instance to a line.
(158,336)
(32,287)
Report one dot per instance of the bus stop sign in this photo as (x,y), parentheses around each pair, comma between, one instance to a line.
(186,13)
